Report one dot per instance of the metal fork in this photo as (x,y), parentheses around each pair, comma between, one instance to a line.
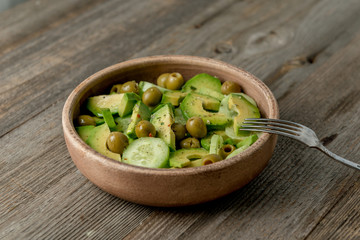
(293,130)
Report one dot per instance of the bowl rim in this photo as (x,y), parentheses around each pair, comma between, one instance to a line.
(69,128)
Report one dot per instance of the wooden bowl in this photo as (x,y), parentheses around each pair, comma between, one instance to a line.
(168,187)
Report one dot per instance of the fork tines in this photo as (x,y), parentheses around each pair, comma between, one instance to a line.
(277,126)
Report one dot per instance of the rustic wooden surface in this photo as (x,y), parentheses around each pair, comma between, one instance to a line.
(307,52)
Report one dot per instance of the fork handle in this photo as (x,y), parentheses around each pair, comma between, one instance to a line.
(338,158)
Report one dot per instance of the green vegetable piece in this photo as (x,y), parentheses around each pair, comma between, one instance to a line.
(244,109)
(201,81)
(173,97)
(183,157)
(196,163)
(162,120)
(143,86)
(248,141)
(193,106)
(98,120)
(84,131)
(205,142)
(243,145)
(147,152)
(179,118)
(229,141)
(140,112)
(215,144)
(109,119)
(247,97)
(127,103)
(122,123)
(97,141)
(117,103)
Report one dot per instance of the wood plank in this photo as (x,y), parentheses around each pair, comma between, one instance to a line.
(18,29)
(343,221)
(283,225)
(296,191)
(65,57)
(295,196)
(42,189)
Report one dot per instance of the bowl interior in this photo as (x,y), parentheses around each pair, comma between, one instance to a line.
(168,187)
(148,69)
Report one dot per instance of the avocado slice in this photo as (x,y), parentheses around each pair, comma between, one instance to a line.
(243,145)
(162,120)
(122,123)
(179,118)
(196,163)
(247,97)
(211,93)
(244,110)
(143,86)
(122,103)
(200,81)
(84,131)
(127,104)
(183,157)
(193,106)
(215,144)
(97,141)
(140,112)
(173,97)
(248,141)
(98,120)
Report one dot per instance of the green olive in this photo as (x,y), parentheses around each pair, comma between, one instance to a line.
(85,120)
(196,127)
(162,79)
(230,87)
(179,130)
(117,142)
(211,158)
(190,143)
(130,86)
(226,150)
(116,88)
(152,96)
(174,81)
(145,128)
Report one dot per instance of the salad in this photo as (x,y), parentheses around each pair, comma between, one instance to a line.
(170,124)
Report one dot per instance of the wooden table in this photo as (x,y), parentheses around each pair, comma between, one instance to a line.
(307,52)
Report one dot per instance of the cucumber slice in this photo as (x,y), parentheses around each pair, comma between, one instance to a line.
(147,152)
(216,143)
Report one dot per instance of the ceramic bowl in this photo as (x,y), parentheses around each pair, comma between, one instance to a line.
(168,187)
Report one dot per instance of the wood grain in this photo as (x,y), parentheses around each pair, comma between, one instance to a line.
(306,51)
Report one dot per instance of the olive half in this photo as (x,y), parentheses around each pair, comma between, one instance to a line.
(226,150)
(211,158)
(190,143)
